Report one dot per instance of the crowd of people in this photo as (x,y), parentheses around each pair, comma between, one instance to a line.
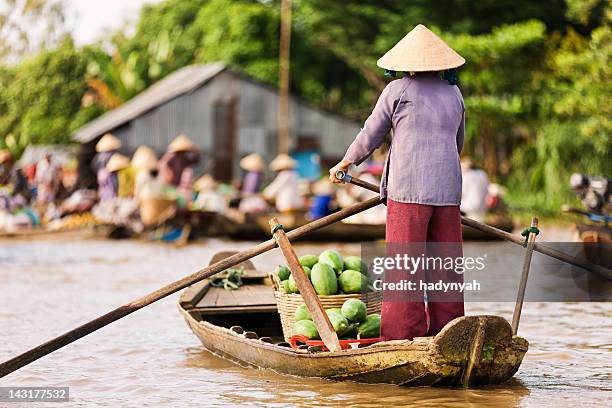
(144,190)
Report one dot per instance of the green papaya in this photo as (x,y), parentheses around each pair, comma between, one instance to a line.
(324,279)
(370,328)
(339,322)
(285,286)
(354,310)
(283,272)
(307,270)
(355,263)
(308,260)
(350,281)
(292,285)
(334,309)
(351,332)
(333,259)
(306,328)
(302,313)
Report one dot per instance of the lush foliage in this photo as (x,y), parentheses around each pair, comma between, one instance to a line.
(536,83)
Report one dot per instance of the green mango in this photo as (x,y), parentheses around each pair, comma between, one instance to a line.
(339,322)
(354,310)
(308,260)
(282,272)
(324,279)
(355,263)
(302,313)
(351,281)
(333,259)
(306,328)
(370,328)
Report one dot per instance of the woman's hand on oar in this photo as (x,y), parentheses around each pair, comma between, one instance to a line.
(342,166)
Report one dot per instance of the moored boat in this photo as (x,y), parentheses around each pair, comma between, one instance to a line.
(255,226)
(244,326)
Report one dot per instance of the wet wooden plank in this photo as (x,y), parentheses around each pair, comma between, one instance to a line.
(245,296)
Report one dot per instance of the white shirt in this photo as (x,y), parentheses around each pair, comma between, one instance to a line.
(474,191)
(285,190)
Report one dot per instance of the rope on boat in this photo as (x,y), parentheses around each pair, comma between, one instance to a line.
(528,231)
(230,279)
(274,229)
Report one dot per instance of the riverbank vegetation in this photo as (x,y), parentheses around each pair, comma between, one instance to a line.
(536,82)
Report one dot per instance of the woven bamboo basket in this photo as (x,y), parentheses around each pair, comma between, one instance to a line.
(288,302)
(155,210)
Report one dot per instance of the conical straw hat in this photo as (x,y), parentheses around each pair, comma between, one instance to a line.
(252,162)
(5,156)
(206,182)
(181,143)
(144,158)
(117,162)
(108,143)
(282,162)
(419,51)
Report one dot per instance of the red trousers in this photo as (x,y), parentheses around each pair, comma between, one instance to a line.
(411,226)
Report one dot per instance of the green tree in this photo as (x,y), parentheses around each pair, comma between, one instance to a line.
(43,97)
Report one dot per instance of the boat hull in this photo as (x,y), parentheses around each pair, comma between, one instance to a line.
(430,361)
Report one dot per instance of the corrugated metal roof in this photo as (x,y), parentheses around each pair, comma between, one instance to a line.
(178,83)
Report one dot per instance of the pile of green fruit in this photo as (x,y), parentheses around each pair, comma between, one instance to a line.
(329,273)
(350,322)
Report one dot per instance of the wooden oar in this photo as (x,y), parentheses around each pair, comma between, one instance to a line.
(50,346)
(543,249)
(311,299)
(518,307)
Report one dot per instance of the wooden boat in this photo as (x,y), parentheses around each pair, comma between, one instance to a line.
(45,233)
(339,231)
(255,226)
(244,326)
(596,243)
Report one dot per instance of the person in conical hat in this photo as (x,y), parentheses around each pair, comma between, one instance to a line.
(107,182)
(108,143)
(208,198)
(284,191)
(144,158)
(144,161)
(181,156)
(421,181)
(283,162)
(126,175)
(254,165)
(474,189)
(181,143)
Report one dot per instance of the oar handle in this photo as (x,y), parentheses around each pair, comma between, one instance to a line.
(344,176)
(347,178)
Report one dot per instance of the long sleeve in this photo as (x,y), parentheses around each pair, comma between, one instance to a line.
(375,129)
(461,133)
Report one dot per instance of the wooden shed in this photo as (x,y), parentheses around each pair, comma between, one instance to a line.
(225,112)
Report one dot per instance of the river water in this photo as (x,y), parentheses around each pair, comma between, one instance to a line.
(151,358)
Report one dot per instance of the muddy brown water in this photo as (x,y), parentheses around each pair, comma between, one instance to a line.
(151,358)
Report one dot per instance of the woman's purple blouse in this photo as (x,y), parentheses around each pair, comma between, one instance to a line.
(427,117)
